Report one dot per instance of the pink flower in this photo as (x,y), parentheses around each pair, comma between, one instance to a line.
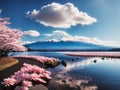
(19,78)
(38,58)
(26,75)
(27,83)
(9,81)
(34,76)
(10,38)
(41,80)
(48,72)
(41,70)
(46,76)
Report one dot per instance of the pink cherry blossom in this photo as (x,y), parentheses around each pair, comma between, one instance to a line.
(46,75)
(26,75)
(9,38)
(34,76)
(48,72)
(27,83)
(95,54)
(41,80)
(9,81)
(38,58)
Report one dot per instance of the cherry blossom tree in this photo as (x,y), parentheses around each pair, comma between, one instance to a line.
(9,38)
(26,77)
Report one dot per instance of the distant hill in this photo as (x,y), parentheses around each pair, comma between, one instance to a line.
(115,49)
(65,45)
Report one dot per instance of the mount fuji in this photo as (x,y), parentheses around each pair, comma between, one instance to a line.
(65,45)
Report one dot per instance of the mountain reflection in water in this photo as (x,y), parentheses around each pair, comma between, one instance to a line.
(71,77)
(63,80)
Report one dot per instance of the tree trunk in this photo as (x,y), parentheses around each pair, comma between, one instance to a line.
(0,54)
(3,53)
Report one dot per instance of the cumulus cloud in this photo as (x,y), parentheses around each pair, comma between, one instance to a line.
(59,35)
(28,42)
(60,15)
(33,33)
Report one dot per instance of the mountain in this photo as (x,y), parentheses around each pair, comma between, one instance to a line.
(65,45)
(115,49)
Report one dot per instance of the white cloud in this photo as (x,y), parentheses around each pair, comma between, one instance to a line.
(59,35)
(28,42)
(61,15)
(33,33)
(63,36)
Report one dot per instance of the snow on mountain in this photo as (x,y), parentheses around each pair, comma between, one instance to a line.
(65,45)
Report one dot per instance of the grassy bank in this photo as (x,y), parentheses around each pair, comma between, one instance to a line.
(6,62)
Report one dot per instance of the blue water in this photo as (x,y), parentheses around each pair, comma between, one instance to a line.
(84,73)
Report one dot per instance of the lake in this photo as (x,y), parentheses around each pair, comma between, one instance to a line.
(83,73)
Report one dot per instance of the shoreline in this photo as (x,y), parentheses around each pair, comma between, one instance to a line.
(95,54)
(10,71)
(70,50)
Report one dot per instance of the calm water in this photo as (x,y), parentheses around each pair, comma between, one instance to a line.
(82,73)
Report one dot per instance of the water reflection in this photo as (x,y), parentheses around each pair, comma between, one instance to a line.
(81,63)
(63,80)
(84,73)
(69,77)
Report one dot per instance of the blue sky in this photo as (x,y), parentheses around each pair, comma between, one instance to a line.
(102,26)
